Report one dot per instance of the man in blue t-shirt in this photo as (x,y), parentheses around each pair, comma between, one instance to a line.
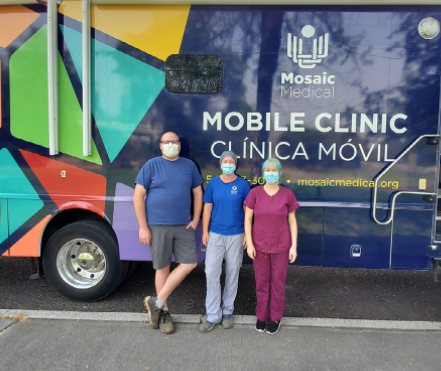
(165,224)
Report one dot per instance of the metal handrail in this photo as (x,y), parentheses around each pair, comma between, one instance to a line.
(86,67)
(52,75)
(394,197)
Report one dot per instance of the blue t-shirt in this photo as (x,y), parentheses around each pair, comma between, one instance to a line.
(227,199)
(168,185)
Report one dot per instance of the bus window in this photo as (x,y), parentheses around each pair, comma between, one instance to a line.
(194,73)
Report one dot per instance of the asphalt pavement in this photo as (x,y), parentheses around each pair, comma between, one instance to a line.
(335,319)
(69,344)
(310,293)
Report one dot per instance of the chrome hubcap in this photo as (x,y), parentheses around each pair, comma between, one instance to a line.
(81,263)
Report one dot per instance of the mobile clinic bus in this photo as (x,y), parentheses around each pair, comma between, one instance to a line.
(347,97)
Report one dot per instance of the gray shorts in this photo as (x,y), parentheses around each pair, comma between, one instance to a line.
(176,239)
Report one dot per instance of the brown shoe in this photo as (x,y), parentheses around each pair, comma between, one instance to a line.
(152,310)
(166,323)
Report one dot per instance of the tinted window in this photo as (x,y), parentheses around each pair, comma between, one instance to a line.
(194,73)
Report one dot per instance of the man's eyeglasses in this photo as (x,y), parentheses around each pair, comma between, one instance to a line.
(169,141)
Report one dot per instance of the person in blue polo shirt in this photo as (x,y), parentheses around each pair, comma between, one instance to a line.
(223,233)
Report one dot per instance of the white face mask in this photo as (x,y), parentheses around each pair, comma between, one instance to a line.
(170,149)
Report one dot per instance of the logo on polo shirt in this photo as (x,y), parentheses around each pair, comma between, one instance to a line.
(234,190)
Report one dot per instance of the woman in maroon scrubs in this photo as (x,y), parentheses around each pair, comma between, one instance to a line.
(272,243)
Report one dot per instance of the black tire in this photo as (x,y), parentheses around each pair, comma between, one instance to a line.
(72,282)
(125,273)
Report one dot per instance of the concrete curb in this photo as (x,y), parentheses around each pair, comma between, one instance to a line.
(239,320)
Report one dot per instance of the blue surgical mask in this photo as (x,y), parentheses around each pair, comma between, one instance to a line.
(228,169)
(271,177)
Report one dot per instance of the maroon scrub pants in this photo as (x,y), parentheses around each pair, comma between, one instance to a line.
(270,269)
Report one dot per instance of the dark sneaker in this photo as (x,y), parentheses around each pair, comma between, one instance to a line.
(260,326)
(166,323)
(273,327)
(206,325)
(152,310)
(227,321)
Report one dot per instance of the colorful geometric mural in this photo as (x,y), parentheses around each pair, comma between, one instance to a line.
(76,184)
(14,182)
(0,95)
(29,244)
(126,227)
(159,36)
(123,89)
(3,221)
(29,100)
(14,20)
(373,72)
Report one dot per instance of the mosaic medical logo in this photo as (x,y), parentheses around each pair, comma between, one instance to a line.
(307,54)
(310,58)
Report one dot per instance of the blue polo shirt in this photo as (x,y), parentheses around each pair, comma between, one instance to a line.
(227,217)
(169,185)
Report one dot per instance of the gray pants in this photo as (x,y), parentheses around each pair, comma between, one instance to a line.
(219,248)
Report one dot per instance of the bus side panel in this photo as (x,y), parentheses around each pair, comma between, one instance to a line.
(126,228)
(353,240)
(310,236)
(20,235)
(3,228)
(411,238)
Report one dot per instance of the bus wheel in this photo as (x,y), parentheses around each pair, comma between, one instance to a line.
(81,261)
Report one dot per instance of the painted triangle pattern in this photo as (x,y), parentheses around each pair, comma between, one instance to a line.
(78,182)
(29,244)
(123,89)
(29,100)
(153,28)
(3,224)
(14,20)
(125,225)
(14,181)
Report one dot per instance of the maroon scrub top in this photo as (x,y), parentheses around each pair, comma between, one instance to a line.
(270,231)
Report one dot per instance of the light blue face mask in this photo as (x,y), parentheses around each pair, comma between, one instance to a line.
(228,169)
(271,177)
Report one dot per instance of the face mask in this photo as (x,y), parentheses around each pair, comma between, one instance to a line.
(228,169)
(271,177)
(170,149)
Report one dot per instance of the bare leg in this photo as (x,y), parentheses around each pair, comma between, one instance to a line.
(174,279)
(160,278)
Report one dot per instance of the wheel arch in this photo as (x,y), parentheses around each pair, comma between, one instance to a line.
(69,213)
